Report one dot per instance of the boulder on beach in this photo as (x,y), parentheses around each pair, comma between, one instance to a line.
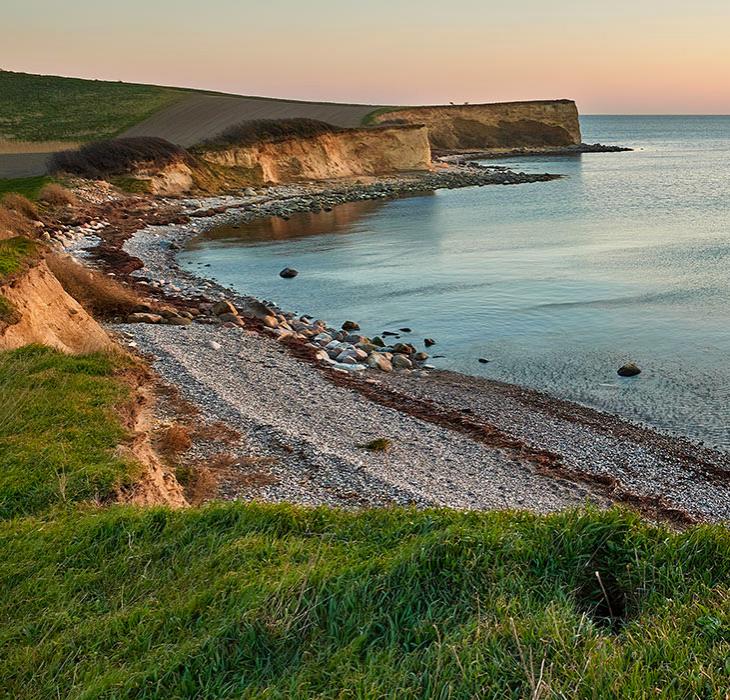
(224,307)
(628,370)
(288,273)
(350,326)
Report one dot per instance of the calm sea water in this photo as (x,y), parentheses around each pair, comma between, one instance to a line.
(558,284)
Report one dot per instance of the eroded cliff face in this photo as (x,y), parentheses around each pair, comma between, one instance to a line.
(374,151)
(46,314)
(499,126)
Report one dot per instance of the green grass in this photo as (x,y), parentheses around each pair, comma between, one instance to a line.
(14,253)
(369,119)
(254,601)
(262,601)
(58,430)
(51,108)
(27,186)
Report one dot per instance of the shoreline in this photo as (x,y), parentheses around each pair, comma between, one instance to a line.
(664,477)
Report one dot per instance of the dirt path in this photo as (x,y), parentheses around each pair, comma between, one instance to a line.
(200,117)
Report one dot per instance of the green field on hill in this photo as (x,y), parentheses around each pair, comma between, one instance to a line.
(51,108)
(243,600)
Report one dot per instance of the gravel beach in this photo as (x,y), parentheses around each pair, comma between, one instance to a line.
(454,440)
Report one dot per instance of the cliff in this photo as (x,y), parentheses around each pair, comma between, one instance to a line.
(44,313)
(505,125)
(348,153)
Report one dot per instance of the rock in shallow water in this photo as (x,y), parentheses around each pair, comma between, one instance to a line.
(628,370)
(288,273)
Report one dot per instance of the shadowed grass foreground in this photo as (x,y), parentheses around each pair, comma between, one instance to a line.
(253,601)
(58,431)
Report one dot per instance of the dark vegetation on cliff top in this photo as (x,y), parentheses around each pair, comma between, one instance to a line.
(268,131)
(118,157)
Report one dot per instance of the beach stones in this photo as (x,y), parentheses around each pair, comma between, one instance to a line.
(350,326)
(628,370)
(288,273)
(223,307)
(144,318)
(404,349)
(402,362)
(379,361)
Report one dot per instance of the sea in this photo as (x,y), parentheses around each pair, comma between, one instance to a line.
(557,284)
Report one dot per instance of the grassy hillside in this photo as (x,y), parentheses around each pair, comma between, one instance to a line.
(50,108)
(260,601)
(58,432)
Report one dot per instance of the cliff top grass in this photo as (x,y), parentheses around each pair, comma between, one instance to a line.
(261,601)
(52,108)
(58,429)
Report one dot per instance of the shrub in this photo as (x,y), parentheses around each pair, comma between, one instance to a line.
(268,131)
(118,157)
(56,195)
(101,295)
(20,204)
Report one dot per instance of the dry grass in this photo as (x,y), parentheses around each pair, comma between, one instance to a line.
(217,432)
(13,223)
(268,131)
(101,295)
(21,205)
(57,195)
(174,440)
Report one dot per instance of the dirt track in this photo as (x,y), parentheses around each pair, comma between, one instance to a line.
(200,117)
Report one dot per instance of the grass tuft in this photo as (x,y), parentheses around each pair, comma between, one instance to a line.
(56,195)
(21,205)
(14,255)
(378,445)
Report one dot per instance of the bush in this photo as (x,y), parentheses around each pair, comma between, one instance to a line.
(104,159)
(56,195)
(101,295)
(269,131)
(20,204)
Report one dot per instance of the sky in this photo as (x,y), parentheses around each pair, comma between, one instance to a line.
(617,57)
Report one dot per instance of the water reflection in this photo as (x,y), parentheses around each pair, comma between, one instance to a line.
(341,219)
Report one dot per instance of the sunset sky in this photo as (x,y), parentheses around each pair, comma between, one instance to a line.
(629,57)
